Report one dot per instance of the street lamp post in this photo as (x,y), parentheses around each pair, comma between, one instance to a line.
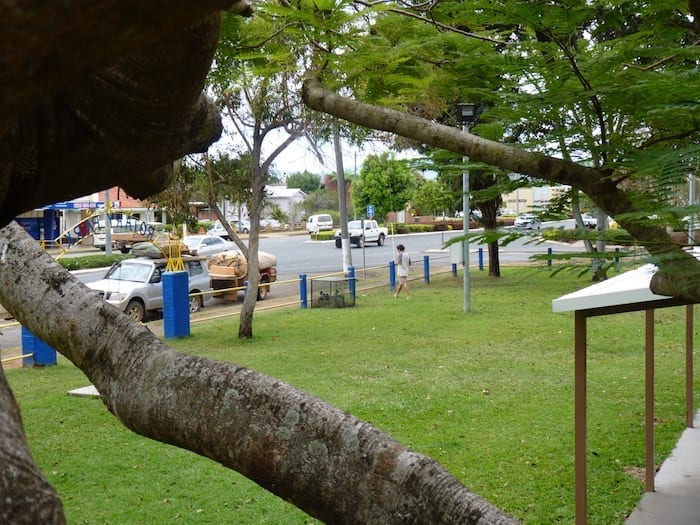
(466,113)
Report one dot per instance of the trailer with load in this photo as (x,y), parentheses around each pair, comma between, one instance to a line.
(228,272)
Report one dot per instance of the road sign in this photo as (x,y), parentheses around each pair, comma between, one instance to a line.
(370,211)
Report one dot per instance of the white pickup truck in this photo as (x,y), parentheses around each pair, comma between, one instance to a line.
(361,232)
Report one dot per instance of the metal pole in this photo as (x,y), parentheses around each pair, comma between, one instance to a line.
(689,366)
(108,226)
(691,202)
(580,416)
(467,114)
(465,219)
(649,401)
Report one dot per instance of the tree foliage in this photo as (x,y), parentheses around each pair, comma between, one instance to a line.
(188,185)
(432,197)
(595,96)
(305,181)
(385,182)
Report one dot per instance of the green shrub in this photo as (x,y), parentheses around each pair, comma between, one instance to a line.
(322,236)
(91,261)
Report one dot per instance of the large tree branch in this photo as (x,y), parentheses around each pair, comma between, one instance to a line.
(424,131)
(45,46)
(122,125)
(598,184)
(289,442)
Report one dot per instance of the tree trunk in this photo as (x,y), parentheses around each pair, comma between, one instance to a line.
(26,498)
(599,184)
(490,220)
(257,183)
(328,463)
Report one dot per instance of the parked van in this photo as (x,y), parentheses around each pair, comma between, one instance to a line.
(319,223)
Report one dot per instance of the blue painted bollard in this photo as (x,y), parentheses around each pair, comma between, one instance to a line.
(176,305)
(41,353)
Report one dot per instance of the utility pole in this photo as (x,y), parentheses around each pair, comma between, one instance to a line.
(342,205)
(108,225)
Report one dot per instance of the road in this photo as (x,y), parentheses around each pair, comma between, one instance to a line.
(298,254)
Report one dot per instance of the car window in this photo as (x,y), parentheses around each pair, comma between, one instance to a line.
(137,273)
(157,275)
(195,268)
(191,242)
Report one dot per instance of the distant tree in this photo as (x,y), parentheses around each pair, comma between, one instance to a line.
(432,197)
(306,182)
(188,185)
(321,200)
(385,182)
(260,99)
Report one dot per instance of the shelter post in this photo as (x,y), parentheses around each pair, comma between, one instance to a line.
(580,415)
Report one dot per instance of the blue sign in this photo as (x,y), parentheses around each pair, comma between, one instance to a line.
(370,211)
(74,205)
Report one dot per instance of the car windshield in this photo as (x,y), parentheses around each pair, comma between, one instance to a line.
(137,273)
(355,225)
(192,242)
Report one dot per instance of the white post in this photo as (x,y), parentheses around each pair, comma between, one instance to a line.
(465,219)
(108,226)
(691,202)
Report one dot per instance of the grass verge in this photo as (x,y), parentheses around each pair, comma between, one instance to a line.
(489,394)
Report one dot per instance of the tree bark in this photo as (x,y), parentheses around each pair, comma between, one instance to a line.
(598,184)
(328,463)
(46,46)
(489,219)
(26,497)
(116,116)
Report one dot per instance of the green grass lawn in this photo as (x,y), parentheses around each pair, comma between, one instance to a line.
(489,394)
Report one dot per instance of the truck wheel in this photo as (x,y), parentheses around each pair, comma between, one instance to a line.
(195,304)
(338,243)
(135,310)
(125,249)
(263,289)
(380,240)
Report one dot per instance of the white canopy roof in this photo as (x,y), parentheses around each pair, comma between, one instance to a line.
(627,288)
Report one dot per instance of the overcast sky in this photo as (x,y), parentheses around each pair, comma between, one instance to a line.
(298,156)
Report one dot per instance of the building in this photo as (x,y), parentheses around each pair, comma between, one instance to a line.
(65,222)
(531,199)
(288,200)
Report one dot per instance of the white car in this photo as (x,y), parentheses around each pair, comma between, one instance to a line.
(242,226)
(135,285)
(270,224)
(218,229)
(527,221)
(319,223)
(207,244)
(589,221)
